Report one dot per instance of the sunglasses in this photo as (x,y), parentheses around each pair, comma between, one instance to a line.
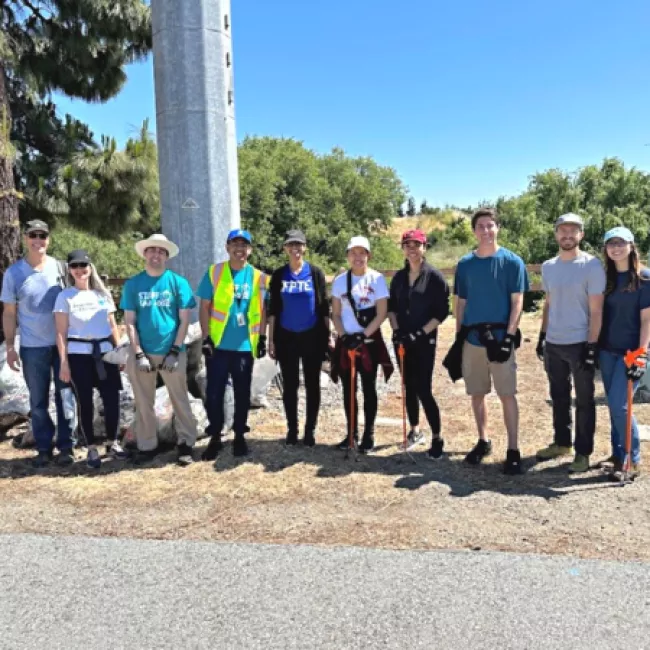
(78,265)
(37,235)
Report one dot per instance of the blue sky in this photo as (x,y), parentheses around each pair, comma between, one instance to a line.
(464,99)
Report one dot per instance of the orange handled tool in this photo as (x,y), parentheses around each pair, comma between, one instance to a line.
(352,355)
(630,359)
(400,353)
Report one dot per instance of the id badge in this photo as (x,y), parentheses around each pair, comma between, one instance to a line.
(241,320)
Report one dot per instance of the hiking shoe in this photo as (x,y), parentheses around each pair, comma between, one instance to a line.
(93,460)
(367,445)
(65,458)
(42,459)
(115,450)
(618,475)
(239,446)
(144,457)
(513,466)
(414,438)
(482,449)
(435,452)
(291,439)
(608,463)
(184,455)
(345,443)
(580,464)
(212,450)
(309,439)
(552,451)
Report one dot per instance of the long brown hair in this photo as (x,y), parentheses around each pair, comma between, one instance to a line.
(634,271)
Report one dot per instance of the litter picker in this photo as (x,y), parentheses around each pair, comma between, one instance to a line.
(401,353)
(352,355)
(631,359)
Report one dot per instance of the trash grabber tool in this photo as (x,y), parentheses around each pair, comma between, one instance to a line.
(630,360)
(352,355)
(401,353)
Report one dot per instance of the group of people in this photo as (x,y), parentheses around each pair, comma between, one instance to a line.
(592,315)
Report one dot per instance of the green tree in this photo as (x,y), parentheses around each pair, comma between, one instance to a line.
(410,208)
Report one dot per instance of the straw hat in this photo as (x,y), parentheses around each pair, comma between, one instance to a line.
(157,241)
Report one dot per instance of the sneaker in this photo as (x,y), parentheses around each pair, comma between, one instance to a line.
(435,452)
(42,459)
(552,451)
(482,449)
(115,450)
(513,466)
(184,455)
(580,464)
(65,458)
(367,445)
(239,446)
(414,438)
(291,439)
(617,474)
(144,457)
(212,450)
(93,460)
(309,439)
(345,443)
(608,463)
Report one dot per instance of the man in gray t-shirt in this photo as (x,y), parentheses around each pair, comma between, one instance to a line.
(29,290)
(574,283)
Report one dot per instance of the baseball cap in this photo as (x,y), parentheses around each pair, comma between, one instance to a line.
(570,218)
(620,231)
(238,233)
(79,255)
(295,236)
(36,225)
(414,235)
(360,241)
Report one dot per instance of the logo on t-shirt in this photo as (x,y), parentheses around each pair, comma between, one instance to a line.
(155,298)
(243,291)
(296,286)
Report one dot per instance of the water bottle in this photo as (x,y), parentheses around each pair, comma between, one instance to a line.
(67,398)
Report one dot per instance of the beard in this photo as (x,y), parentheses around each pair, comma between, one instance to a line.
(568,245)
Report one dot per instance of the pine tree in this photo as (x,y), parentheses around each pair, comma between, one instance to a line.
(410,208)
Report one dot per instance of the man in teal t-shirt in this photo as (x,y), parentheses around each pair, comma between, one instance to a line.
(157,304)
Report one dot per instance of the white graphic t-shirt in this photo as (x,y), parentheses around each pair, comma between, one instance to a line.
(367,289)
(87,318)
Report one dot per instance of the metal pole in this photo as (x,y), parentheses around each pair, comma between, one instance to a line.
(195,126)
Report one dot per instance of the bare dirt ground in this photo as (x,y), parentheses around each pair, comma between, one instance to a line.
(315,496)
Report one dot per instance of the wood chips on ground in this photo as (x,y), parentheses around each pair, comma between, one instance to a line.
(315,496)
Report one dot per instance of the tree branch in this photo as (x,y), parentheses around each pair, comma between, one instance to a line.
(37,12)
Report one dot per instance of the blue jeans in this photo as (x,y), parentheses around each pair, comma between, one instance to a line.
(239,366)
(38,365)
(612,368)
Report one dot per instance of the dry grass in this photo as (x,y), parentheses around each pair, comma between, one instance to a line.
(315,496)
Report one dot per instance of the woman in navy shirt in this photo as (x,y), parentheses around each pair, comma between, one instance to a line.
(626,326)
(299,331)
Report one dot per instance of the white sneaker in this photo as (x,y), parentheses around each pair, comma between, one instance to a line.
(116,450)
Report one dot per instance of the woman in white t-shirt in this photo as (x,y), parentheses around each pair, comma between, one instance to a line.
(86,330)
(359,307)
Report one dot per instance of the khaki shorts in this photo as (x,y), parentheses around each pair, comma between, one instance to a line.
(478,372)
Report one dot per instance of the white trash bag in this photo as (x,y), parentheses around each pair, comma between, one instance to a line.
(264,372)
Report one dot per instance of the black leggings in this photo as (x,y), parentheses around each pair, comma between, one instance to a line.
(419,361)
(291,348)
(369,388)
(84,377)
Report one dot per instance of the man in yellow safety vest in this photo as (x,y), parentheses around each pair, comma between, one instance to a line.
(233,320)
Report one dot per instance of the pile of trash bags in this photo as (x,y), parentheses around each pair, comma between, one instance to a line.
(14,396)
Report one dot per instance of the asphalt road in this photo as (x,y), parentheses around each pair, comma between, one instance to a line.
(74,593)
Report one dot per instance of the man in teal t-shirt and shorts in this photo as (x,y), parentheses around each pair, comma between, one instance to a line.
(157,304)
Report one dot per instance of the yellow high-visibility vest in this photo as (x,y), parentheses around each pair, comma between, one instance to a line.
(223,296)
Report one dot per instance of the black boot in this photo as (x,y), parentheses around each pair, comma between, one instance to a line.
(367,442)
(212,450)
(239,446)
(310,439)
(292,438)
(345,443)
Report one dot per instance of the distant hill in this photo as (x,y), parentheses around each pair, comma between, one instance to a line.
(427,222)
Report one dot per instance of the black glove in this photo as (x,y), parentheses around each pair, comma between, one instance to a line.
(353,341)
(397,337)
(637,370)
(590,356)
(505,349)
(541,344)
(413,338)
(261,346)
(207,347)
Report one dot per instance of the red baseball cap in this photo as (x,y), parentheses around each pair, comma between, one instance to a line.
(414,235)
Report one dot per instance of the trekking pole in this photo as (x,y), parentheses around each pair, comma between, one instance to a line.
(353,381)
(630,360)
(401,352)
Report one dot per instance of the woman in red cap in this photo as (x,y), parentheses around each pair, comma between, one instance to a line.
(419,302)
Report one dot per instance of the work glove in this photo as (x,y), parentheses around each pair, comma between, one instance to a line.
(207,347)
(637,370)
(590,356)
(261,346)
(400,338)
(142,362)
(505,349)
(541,344)
(170,362)
(353,341)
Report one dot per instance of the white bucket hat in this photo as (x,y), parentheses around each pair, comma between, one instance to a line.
(157,241)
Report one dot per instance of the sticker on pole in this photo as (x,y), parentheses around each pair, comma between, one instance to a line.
(190,204)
